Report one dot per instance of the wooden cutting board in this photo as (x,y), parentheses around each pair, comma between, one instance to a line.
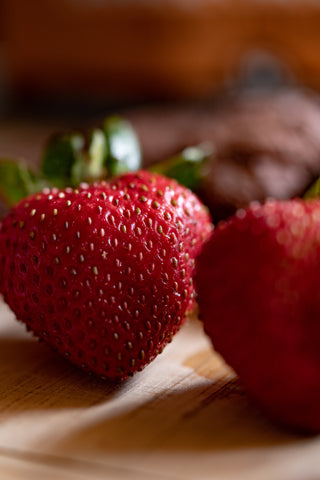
(184,417)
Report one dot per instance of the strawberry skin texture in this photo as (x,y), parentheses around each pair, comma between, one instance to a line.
(185,205)
(259,299)
(98,273)
(176,203)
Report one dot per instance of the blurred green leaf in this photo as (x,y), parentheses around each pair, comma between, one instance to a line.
(62,161)
(97,156)
(70,159)
(123,148)
(17,181)
(187,167)
(313,191)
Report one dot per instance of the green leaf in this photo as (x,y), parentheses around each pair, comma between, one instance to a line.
(187,167)
(97,156)
(124,153)
(70,159)
(313,191)
(62,161)
(17,181)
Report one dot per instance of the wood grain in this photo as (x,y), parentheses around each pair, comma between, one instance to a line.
(184,417)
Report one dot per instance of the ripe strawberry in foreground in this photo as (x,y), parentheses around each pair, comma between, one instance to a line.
(100,273)
(259,299)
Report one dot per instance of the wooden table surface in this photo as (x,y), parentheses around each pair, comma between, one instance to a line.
(184,417)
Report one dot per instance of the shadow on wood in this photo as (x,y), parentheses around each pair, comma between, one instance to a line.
(210,417)
(34,377)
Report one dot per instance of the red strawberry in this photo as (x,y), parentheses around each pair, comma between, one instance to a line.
(259,298)
(99,273)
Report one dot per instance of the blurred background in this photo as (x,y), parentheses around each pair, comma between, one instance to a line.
(242,74)
(129,50)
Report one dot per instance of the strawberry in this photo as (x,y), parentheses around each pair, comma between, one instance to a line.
(259,299)
(100,273)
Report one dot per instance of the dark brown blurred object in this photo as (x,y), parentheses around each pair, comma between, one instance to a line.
(267,145)
(152,49)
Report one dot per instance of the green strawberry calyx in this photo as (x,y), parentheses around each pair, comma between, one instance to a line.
(74,157)
(111,149)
